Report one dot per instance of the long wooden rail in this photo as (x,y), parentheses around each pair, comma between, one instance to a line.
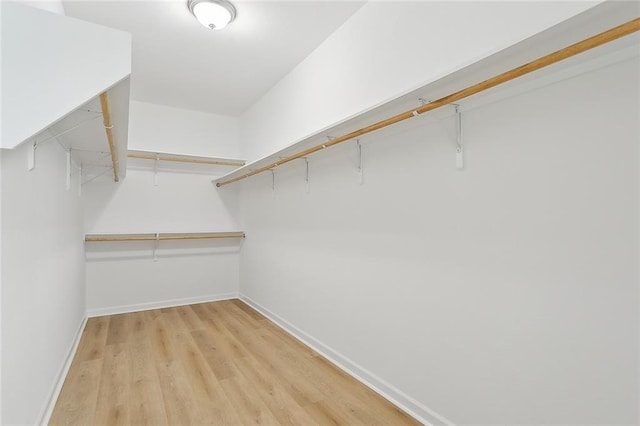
(95,238)
(108,128)
(185,159)
(567,52)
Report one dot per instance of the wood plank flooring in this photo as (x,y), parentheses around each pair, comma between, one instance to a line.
(218,363)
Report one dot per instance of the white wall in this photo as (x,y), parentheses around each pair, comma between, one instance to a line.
(123,276)
(506,293)
(384,50)
(166,129)
(0,286)
(0,233)
(43,292)
(53,6)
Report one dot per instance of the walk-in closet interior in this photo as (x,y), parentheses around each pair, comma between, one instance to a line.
(319,212)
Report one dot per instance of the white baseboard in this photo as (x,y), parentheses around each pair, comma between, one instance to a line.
(412,407)
(45,416)
(123,309)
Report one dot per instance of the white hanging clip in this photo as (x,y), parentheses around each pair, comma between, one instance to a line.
(360,165)
(155,247)
(459,146)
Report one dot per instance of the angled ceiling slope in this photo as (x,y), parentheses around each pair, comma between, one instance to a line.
(51,65)
(179,63)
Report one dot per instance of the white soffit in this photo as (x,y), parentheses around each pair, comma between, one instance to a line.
(178,62)
(52,64)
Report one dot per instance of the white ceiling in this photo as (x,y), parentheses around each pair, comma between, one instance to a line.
(178,62)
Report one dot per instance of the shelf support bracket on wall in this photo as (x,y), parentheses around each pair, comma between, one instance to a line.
(273,183)
(31,156)
(68,186)
(541,62)
(155,170)
(155,247)
(459,146)
(64,132)
(80,180)
(360,165)
(306,175)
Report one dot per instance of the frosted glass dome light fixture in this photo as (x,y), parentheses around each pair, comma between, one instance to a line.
(213,14)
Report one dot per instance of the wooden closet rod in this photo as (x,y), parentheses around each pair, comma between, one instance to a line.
(567,52)
(162,237)
(108,127)
(187,160)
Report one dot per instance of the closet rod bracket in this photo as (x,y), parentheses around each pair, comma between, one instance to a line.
(459,145)
(306,174)
(31,156)
(155,170)
(68,175)
(155,247)
(328,143)
(423,102)
(360,164)
(273,183)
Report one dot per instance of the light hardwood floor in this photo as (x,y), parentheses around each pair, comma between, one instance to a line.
(218,363)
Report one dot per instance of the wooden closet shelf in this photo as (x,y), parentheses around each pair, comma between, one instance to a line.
(94,238)
(302,150)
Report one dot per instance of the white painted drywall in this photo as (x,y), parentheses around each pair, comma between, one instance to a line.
(54,6)
(0,285)
(0,228)
(506,293)
(167,129)
(43,290)
(384,50)
(52,64)
(123,276)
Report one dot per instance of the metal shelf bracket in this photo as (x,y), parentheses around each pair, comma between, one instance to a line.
(459,146)
(306,175)
(273,183)
(68,185)
(360,164)
(155,170)
(155,247)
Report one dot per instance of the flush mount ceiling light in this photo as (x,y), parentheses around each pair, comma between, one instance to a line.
(213,14)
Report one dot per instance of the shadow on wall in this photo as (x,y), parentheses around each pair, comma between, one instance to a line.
(147,202)
(138,250)
(93,205)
